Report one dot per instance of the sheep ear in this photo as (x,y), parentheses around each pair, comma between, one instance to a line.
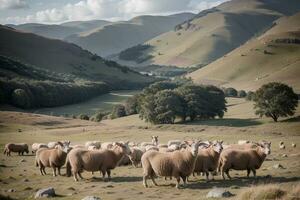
(221,141)
(127,142)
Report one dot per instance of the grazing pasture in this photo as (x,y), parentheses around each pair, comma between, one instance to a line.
(20,173)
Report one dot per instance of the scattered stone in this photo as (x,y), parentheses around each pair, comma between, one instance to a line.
(20,174)
(25,180)
(11,177)
(110,186)
(47,192)
(278,166)
(284,155)
(11,190)
(91,198)
(28,188)
(2,165)
(71,188)
(22,160)
(218,193)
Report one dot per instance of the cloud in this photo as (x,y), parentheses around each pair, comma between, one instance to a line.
(113,10)
(13,4)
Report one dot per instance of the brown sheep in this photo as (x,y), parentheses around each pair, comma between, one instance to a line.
(18,147)
(208,158)
(53,158)
(96,160)
(178,164)
(246,159)
(37,146)
(135,156)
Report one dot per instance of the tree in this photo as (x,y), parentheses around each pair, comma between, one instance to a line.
(241,94)
(275,100)
(21,98)
(131,105)
(250,96)
(118,111)
(83,117)
(230,92)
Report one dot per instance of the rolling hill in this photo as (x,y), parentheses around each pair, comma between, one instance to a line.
(274,56)
(59,31)
(214,32)
(26,57)
(115,37)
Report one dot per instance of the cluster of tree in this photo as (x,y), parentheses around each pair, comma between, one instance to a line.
(275,100)
(164,102)
(231,92)
(136,53)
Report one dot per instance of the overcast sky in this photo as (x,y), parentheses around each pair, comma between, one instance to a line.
(57,11)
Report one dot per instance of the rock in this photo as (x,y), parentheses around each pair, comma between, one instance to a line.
(218,193)
(28,188)
(11,190)
(91,198)
(71,188)
(22,160)
(278,166)
(284,155)
(25,180)
(47,192)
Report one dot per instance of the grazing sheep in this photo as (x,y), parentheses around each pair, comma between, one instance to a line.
(135,156)
(107,145)
(281,145)
(97,144)
(174,147)
(175,164)
(92,147)
(293,145)
(99,160)
(243,142)
(176,142)
(37,146)
(64,143)
(247,159)
(208,158)
(154,142)
(162,146)
(151,147)
(16,147)
(53,158)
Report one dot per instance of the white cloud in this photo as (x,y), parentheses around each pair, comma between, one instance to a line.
(13,4)
(112,10)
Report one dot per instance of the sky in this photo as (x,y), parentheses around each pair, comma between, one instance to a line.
(58,11)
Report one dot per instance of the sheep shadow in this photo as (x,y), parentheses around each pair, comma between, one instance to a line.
(231,122)
(239,181)
(117,179)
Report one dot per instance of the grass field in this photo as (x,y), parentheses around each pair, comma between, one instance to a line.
(238,123)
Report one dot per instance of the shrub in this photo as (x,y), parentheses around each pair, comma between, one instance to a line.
(97,117)
(118,111)
(250,96)
(241,94)
(131,105)
(275,100)
(264,192)
(230,92)
(83,117)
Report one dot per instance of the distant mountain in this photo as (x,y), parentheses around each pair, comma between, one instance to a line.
(62,57)
(216,31)
(115,37)
(60,31)
(274,56)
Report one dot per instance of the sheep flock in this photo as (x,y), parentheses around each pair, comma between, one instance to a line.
(178,159)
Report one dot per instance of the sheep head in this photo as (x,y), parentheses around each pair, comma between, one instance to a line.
(217,146)
(154,140)
(194,148)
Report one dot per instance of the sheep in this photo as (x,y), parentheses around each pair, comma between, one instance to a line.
(207,159)
(16,147)
(171,142)
(246,159)
(92,147)
(97,144)
(243,142)
(165,150)
(281,145)
(107,145)
(100,160)
(150,147)
(154,142)
(54,158)
(37,146)
(64,143)
(293,145)
(162,146)
(135,156)
(174,147)
(174,164)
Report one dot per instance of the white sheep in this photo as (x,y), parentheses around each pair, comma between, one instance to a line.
(154,142)
(96,144)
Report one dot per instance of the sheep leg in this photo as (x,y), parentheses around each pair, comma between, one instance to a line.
(108,174)
(54,171)
(41,170)
(184,178)
(58,169)
(207,176)
(222,173)
(153,181)
(75,177)
(145,181)
(248,173)
(254,172)
(178,182)
(227,173)
(103,175)
(79,174)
